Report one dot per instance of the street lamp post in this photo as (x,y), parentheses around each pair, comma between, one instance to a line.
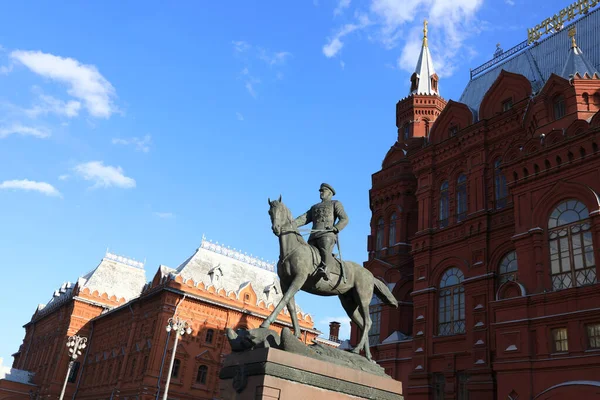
(180,327)
(75,344)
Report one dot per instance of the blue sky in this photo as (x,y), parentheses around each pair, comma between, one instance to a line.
(140,126)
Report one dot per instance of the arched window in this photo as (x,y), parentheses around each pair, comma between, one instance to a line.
(559,107)
(500,189)
(392,238)
(176,366)
(426,128)
(452,303)
(443,218)
(406,131)
(414,82)
(202,372)
(508,268)
(209,335)
(571,249)
(379,244)
(461,197)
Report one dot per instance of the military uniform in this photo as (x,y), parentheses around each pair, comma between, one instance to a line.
(323,216)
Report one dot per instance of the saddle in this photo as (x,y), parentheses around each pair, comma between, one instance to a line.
(333,267)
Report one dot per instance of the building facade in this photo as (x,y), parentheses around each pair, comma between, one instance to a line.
(486,225)
(124,318)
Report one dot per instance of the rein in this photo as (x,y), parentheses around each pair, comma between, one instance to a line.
(294,231)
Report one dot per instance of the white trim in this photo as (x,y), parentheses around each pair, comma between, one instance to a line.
(429,289)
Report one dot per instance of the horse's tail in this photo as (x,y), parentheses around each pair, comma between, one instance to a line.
(382,291)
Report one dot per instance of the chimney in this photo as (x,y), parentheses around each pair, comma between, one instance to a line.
(334,331)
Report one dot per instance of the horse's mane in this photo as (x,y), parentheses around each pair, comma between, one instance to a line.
(289,217)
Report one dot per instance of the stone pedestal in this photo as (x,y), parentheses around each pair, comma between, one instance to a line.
(276,374)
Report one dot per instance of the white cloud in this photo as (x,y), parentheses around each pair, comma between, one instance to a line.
(342,64)
(341,6)
(63,177)
(104,176)
(241,46)
(5,69)
(142,144)
(239,116)
(18,129)
(323,326)
(250,82)
(250,88)
(509,2)
(84,81)
(164,215)
(393,23)
(274,61)
(335,43)
(49,104)
(277,58)
(26,184)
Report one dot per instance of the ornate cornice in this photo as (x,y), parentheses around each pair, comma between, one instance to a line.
(236,255)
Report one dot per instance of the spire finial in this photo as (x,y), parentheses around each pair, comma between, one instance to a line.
(572,33)
(425,33)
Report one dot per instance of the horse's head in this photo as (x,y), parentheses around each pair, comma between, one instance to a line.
(281,217)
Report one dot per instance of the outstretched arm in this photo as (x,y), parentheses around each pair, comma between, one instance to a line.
(304,219)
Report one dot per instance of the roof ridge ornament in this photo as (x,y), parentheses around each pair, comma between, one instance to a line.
(425,30)
(572,33)
(123,260)
(236,255)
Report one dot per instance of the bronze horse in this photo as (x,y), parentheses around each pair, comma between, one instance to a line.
(296,268)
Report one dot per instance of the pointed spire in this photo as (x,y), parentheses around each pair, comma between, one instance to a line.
(576,62)
(424,80)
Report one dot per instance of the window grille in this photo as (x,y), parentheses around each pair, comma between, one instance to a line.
(572,260)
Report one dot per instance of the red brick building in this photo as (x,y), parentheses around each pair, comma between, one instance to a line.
(124,318)
(486,225)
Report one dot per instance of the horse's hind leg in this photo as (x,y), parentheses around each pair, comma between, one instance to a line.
(351,308)
(363,294)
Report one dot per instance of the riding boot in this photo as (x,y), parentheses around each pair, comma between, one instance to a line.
(322,272)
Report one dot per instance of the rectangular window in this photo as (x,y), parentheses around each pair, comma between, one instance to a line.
(560,340)
(73,372)
(593,333)
(374,332)
(439,383)
(463,392)
(507,105)
(175,370)
(559,107)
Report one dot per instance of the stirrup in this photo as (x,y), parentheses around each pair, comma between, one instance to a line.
(322,272)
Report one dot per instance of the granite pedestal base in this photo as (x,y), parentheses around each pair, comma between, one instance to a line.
(279,375)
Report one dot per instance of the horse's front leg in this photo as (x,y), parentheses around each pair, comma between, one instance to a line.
(288,295)
(291,305)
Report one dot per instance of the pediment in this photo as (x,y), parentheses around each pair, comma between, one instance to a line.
(507,86)
(455,115)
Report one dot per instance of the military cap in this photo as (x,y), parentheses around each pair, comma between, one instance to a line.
(328,186)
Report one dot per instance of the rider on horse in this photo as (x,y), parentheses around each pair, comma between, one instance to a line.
(324,231)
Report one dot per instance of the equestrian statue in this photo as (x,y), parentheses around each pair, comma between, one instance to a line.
(301,266)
